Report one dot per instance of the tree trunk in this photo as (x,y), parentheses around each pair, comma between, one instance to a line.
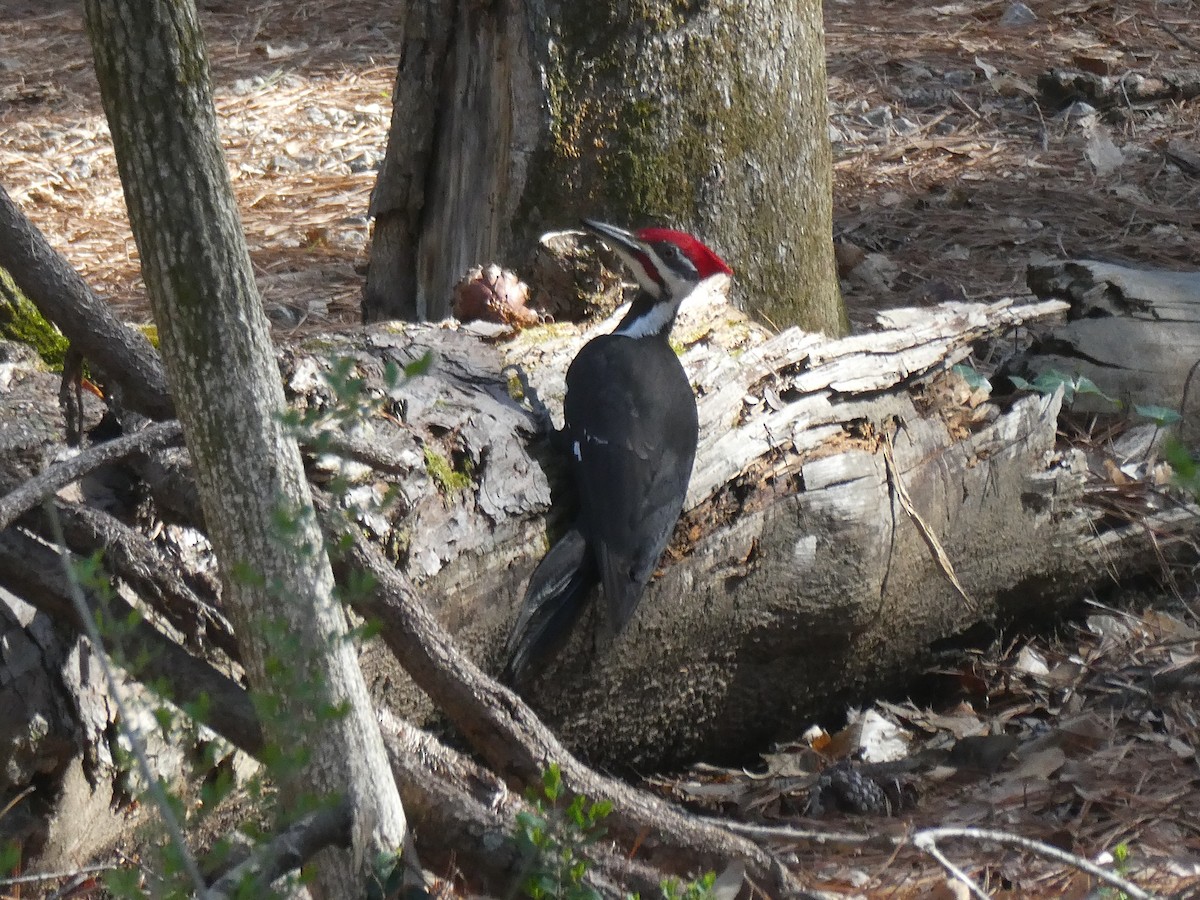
(711,119)
(154,82)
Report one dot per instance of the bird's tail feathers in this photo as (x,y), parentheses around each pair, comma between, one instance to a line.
(552,602)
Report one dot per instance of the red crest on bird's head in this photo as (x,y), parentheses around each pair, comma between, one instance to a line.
(706,262)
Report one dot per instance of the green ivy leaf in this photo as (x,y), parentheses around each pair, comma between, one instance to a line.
(1084,385)
(974,380)
(1159,415)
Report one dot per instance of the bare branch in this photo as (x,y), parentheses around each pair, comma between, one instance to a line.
(511,739)
(1049,851)
(117,692)
(61,474)
(31,570)
(926,843)
(62,296)
(137,560)
(288,850)
(922,839)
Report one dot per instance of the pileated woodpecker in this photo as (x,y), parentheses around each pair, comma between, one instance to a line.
(630,436)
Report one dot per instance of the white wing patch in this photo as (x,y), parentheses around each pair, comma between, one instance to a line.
(575,451)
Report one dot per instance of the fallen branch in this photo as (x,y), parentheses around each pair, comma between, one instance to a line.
(122,353)
(61,474)
(1047,851)
(927,836)
(137,561)
(32,571)
(287,851)
(116,690)
(928,845)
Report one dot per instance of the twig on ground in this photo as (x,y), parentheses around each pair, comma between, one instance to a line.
(54,876)
(1183,39)
(929,845)
(1049,851)
(983,835)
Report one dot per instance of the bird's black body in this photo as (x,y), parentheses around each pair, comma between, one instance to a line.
(630,437)
(631,447)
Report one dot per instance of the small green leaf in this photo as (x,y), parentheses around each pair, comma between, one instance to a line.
(601,809)
(1085,385)
(1159,415)
(552,782)
(420,366)
(1049,382)
(974,380)
(10,858)
(123,882)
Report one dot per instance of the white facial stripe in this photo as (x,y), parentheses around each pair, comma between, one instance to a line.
(653,322)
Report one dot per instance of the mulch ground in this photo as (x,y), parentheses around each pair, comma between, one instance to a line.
(950,176)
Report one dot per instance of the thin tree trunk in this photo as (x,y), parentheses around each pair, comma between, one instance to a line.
(709,118)
(155,85)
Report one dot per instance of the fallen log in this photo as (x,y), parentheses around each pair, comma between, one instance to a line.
(855,503)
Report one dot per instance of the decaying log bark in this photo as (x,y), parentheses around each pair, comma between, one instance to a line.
(1060,87)
(1134,332)
(837,485)
(854,503)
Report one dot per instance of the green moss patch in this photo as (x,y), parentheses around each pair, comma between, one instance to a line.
(21,321)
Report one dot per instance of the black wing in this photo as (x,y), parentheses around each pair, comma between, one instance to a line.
(553,601)
(631,431)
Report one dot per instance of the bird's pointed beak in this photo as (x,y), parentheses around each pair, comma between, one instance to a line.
(619,239)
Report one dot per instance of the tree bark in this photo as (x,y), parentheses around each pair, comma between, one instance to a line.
(709,118)
(398,201)
(854,504)
(155,85)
